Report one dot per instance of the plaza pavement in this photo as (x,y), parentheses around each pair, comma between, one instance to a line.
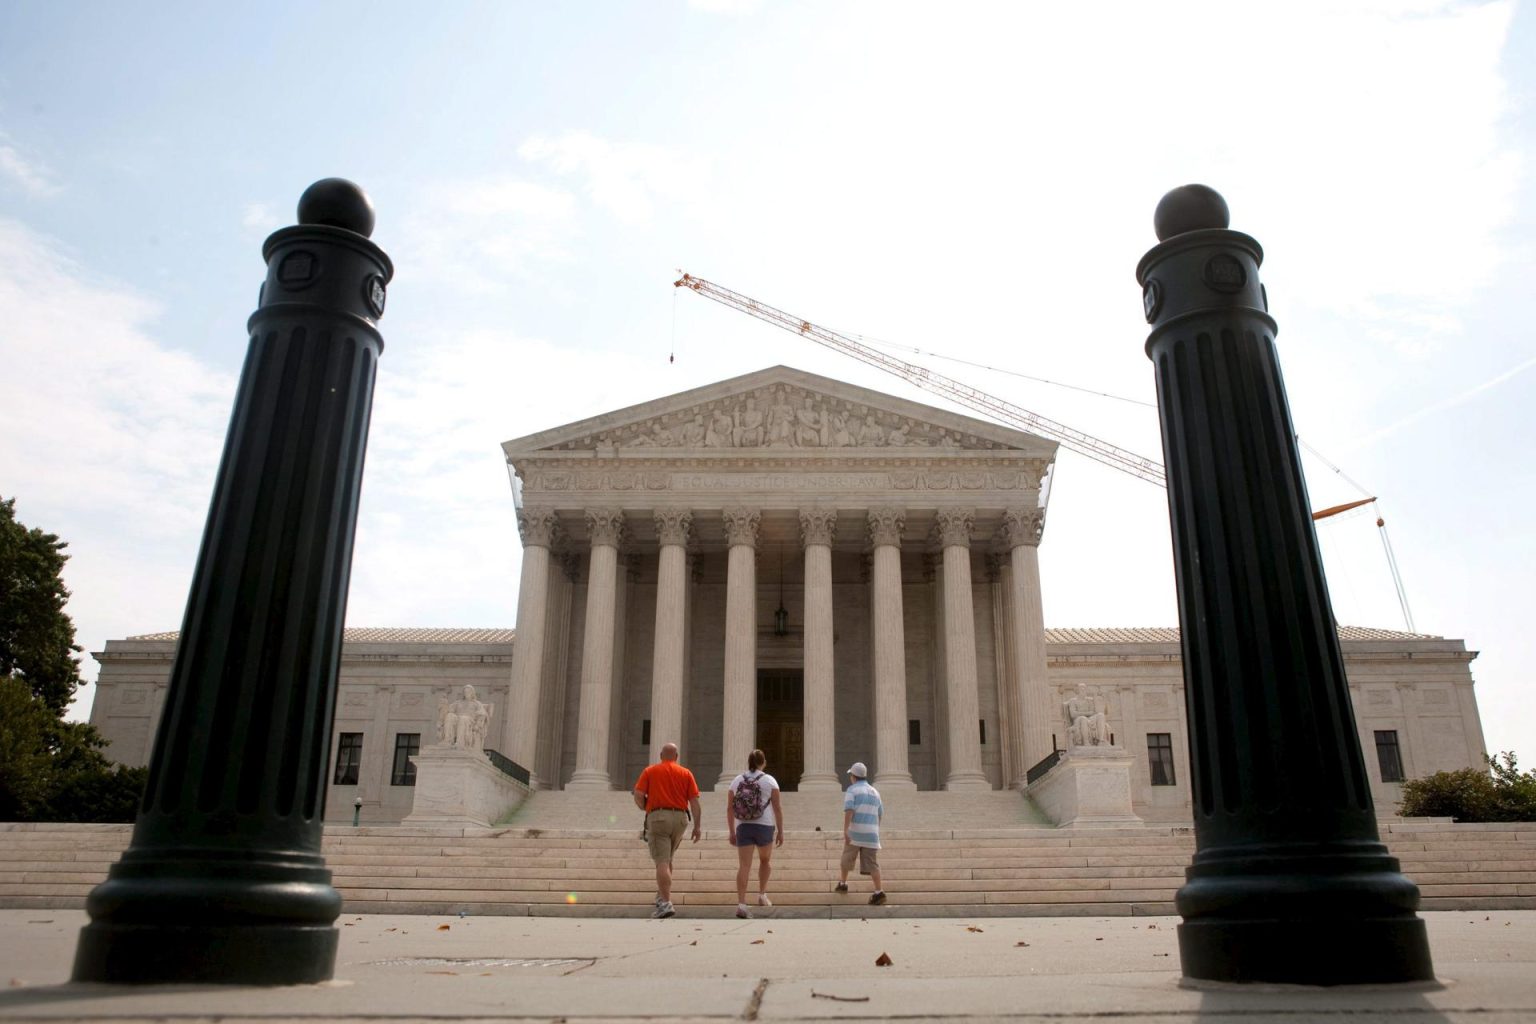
(591,969)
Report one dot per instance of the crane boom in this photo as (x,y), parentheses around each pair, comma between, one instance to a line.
(990,405)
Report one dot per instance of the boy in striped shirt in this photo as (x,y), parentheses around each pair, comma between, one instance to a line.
(861,830)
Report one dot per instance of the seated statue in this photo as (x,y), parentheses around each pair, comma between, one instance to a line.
(465,722)
(1086,724)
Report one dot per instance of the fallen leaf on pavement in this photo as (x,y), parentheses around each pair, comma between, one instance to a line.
(758,942)
(883,960)
(1021,943)
(972,928)
(444,927)
(695,942)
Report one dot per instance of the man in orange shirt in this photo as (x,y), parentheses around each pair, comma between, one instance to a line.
(664,790)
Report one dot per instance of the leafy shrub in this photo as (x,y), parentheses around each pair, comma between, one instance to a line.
(1499,792)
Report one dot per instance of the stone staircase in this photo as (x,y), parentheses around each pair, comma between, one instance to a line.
(528,868)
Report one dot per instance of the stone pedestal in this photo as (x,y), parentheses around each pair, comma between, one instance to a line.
(459,787)
(1089,788)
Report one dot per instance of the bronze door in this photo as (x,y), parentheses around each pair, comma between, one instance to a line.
(781,724)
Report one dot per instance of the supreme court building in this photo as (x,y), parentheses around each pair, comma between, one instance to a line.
(790,562)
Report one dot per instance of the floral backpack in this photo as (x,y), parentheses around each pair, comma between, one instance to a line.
(748,801)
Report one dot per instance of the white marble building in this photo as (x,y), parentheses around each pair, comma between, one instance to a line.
(832,574)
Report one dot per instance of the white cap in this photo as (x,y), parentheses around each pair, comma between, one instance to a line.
(858,771)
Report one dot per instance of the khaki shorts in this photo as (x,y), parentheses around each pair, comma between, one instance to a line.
(867,856)
(664,833)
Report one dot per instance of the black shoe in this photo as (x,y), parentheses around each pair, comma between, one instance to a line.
(878,897)
(840,887)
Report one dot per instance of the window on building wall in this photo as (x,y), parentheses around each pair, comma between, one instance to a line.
(983,722)
(1389,756)
(1160,758)
(914,732)
(349,757)
(645,731)
(407,746)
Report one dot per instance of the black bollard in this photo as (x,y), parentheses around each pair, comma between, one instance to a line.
(224,880)
(1290,882)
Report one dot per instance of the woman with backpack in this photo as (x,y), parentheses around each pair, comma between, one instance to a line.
(754,820)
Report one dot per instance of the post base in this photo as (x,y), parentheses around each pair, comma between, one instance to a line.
(149,954)
(1336,951)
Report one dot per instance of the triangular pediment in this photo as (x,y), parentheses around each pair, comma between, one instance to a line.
(780,409)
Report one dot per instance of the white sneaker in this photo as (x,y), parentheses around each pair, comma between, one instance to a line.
(664,909)
(743,912)
(763,900)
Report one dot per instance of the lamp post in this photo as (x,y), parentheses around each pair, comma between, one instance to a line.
(1290,882)
(224,881)
(357,811)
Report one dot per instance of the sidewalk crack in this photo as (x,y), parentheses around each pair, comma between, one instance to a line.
(756,1002)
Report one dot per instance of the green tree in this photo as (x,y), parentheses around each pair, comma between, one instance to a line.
(50,769)
(1498,792)
(37,640)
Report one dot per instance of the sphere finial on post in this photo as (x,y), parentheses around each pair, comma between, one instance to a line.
(1189,208)
(338,203)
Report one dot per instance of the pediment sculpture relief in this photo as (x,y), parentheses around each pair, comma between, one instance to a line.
(782,416)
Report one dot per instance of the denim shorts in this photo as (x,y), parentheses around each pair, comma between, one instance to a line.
(753,834)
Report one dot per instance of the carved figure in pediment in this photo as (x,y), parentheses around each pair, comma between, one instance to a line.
(781,422)
(897,438)
(871,434)
(659,437)
(691,434)
(748,428)
(808,425)
(837,430)
(720,429)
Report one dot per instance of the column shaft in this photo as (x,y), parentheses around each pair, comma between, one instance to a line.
(668,659)
(594,715)
(521,730)
(1029,642)
(821,771)
(960,655)
(890,652)
(739,734)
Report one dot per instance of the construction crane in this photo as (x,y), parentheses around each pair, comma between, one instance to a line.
(1006,412)
(999,409)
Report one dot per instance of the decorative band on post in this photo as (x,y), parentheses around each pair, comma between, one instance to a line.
(1290,881)
(224,880)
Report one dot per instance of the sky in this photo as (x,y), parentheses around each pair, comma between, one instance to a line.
(971,181)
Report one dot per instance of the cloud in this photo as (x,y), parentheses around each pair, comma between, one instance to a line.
(473,235)
(111,438)
(737,7)
(34,178)
(626,179)
(261,218)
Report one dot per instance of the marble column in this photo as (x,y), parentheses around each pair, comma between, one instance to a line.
(739,734)
(954,530)
(539,528)
(1029,692)
(605,527)
(672,528)
(817,526)
(890,649)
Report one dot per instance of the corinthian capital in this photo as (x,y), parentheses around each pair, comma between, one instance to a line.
(817,526)
(1024,526)
(539,527)
(605,526)
(885,525)
(741,526)
(953,526)
(672,526)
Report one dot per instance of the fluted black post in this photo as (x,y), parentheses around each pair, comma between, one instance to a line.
(1290,881)
(224,880)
